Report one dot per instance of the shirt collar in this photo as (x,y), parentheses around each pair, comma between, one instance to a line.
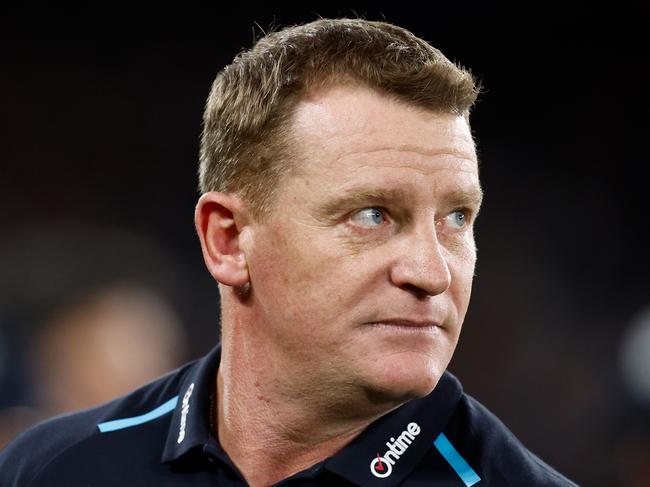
(190,424)
(409,430)
(402,438)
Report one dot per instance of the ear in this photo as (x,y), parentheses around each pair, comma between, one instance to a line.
(216,218)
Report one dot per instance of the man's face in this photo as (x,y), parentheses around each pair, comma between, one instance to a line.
(362,273)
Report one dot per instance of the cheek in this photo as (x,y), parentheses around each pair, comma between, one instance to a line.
(296,276)
(465,268)
(462,265)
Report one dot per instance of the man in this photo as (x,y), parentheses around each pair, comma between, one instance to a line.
(339,189)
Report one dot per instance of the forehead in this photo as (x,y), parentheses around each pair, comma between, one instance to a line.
(344,130)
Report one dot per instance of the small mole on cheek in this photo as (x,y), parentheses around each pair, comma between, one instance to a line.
(263,398)
(259,395)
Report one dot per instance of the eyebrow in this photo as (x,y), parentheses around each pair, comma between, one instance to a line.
(461,197)
(352,199)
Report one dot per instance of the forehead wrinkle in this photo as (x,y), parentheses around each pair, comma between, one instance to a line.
(407,156)
(407,166)
(343,145)
(406,148)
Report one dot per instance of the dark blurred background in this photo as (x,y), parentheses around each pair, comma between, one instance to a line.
(100,123)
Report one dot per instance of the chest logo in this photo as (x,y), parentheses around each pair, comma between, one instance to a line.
(382,466)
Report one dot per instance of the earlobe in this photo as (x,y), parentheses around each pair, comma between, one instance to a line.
(216,217)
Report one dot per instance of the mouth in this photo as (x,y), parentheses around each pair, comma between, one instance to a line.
(406,325)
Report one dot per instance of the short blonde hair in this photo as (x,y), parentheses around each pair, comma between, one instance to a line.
(245,147)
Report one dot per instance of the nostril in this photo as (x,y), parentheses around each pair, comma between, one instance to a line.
(418,292)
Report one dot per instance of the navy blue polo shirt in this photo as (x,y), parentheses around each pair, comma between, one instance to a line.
(159,435)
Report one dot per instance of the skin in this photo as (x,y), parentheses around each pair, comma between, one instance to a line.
(347,300)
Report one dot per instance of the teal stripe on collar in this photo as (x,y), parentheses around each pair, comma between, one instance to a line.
(119,424)
(457,462)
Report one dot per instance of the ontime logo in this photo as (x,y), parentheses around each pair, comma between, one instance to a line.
(382,466)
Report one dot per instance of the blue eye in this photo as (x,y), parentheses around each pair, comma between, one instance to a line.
(369,217)
(457,219)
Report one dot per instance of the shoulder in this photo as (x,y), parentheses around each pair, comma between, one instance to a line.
(497,453)
(46,449)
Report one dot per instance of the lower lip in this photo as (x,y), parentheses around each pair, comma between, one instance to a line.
(406,329)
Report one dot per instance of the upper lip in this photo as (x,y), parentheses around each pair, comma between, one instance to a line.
(406,322)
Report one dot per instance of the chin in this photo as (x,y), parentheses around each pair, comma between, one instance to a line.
(406,380)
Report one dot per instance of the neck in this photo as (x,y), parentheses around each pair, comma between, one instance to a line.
(269,443)
(270,422)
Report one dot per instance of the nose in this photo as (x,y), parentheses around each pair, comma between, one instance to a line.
(421,266)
